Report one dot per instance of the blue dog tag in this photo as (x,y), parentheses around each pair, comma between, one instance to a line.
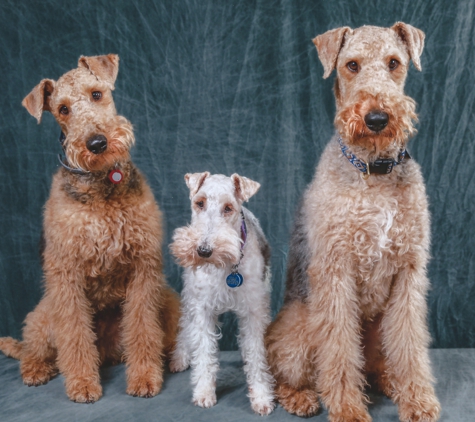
(234,280)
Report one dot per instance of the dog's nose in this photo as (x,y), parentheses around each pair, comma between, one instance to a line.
(97,144)
(376,120)
(204,251)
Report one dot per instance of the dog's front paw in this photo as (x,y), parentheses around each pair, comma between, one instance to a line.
(37,373)
(303,402)
(421,406)
(262,399)
(83,391)
(204,397)
(350,415)
(144,386)
(178,365)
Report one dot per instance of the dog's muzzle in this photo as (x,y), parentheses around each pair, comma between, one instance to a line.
(97,144)
(376,120)
(204,251)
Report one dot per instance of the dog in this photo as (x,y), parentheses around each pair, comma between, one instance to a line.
(226,259)
(106,298)
(356,284)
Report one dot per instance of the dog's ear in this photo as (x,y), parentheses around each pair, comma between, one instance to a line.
(194,181)
(328,46)
(414,40)
(104,68)
(244,188)
(37,100)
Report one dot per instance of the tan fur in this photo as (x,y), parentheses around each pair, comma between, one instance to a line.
(106,297)
(368,246)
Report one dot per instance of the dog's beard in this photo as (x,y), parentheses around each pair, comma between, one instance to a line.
(226,246)
(120,138)
(350,122)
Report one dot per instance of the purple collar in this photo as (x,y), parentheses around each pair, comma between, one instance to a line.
(243,231)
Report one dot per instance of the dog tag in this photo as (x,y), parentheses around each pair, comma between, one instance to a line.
(234,280)
(116,176)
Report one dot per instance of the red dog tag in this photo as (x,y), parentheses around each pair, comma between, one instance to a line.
(116,176)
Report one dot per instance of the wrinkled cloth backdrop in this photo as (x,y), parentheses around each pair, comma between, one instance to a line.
(234,86)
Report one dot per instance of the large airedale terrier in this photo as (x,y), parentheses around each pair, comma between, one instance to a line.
(106,298)
(356,283)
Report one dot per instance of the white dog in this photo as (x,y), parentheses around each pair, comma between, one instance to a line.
(226,259)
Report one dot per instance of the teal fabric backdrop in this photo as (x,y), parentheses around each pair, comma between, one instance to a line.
(234,86)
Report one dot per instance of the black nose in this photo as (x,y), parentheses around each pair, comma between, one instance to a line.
(204,251)
(97,144)
(376,120)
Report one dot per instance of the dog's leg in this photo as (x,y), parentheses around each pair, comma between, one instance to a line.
(181,356)
(335,326)
(142,332)
(202,340)
(38,358)
(288,345)
(253,321)
(78,358)
(406,340)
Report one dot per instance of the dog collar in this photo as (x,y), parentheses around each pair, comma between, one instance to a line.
(379,166)
(115,175)
(235,279)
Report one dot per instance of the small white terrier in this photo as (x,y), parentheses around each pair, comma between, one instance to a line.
(226,259)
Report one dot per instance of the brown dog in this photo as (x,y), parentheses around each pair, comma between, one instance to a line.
(356,281)
(106,298)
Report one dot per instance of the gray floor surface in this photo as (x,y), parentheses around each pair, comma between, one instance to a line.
(454,369)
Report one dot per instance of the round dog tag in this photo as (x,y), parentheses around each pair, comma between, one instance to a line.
(116,176)
(234,280)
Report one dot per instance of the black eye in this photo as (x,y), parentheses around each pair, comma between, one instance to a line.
(200,204)
(393,64)
(352,66)
(228,209)
(97,95)
(64,110)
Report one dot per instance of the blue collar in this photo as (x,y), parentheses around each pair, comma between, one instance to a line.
(379,166)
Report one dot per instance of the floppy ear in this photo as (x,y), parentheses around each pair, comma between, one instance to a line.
(244,187)
(194,181)
(328,46)
(414,40)
(104,68)
(37,100)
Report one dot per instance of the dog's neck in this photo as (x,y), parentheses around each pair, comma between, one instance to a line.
(369,163)
(96,186)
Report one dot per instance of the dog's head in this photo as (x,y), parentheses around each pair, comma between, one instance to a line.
(372,64)
(214,235)
(81,101)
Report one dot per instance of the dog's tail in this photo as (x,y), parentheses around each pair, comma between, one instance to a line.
(11,347)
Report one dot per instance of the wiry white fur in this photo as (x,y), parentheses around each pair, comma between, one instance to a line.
(206,295)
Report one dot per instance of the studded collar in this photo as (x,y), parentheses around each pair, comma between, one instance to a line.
(379,166)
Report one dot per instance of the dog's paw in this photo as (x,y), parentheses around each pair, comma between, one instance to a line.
(144,386)
(423,406)
(178,365)
(38,373)
(262,406)
(204,396)
(350,414)
(303,403)
(82,391)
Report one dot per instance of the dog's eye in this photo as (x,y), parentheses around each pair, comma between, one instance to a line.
(200,204)
(352,66)
(228,209)
(64,110)
(393,64)
(97,95)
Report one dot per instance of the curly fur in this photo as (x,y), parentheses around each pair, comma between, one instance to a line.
(216,224)
(106,297)
(356,282)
